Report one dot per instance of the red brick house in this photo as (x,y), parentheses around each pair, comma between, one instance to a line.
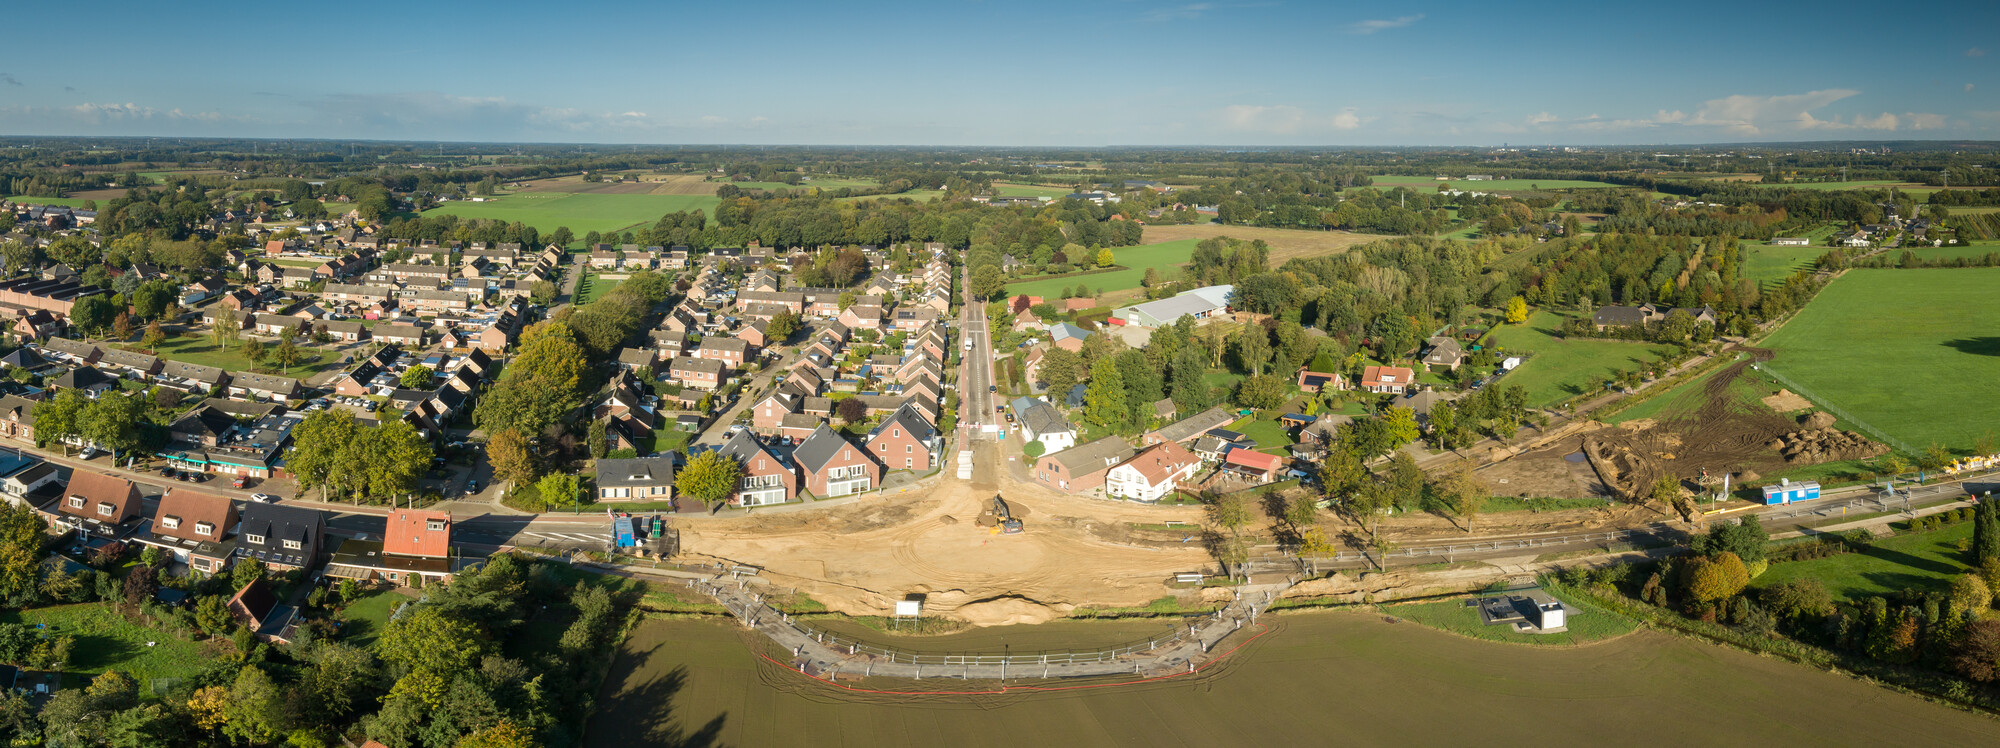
(904,441)
(766,478)
(830,465)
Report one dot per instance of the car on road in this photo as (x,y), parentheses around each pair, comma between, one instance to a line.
(472,486)
(89,453)
(733,428)
(992,388)
(263,498)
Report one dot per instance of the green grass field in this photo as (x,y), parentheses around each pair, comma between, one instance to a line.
(1320,678)
(201,350)
(363,620)
(1850,185)
(1586,622)
(824,183)
(922,196)
(1913,353)
(1167,257)
(592,287)
(1270,435)
(581,212)
(1913,562)
(1764,263)
(1029,191)
(1428,184)
(1560,369)
(1970,251)
(73,202)
(106,640)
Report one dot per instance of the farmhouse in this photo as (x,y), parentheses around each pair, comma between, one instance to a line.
(1041,422)
(1152,473)
(1082,467)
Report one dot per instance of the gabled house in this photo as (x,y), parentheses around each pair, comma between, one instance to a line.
(1317,381)
(1041,422)
(1387,379)
(1082,467)
(193,525)
(415,548)
(1444,353)
(905,440)
(17,418)
(1254,466)
(830,465)
(85,379)
(636,479)
(1151,474)
(767,478)
(98,504)
(279,536)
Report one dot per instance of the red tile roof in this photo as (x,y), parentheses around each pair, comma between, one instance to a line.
(192,508)
(1253,460)
(96,488)
(409,534)
(1161,460)
(1375,376)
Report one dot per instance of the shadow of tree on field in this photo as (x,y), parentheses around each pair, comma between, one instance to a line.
(1988,346)
(644,717)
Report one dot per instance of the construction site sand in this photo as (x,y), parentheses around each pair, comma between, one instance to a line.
(862,558)
(1787,401)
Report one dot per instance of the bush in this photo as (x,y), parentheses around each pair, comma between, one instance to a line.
(1034,449)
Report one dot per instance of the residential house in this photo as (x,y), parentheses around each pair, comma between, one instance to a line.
(730,351)
(694,371)
(17,418)
(1317,381)
(636,479)
(1252,465)
(1151,474)
(1082,467)
(98,504)
(1041,422)
(193,525)
(1444,353)
(87,380)
(905,440)
(1387,379)
(1187,429)
(832,466)
(245,385)
(131,365)
(280,537)
(415,548)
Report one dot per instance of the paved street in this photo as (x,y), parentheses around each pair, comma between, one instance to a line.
(977,408)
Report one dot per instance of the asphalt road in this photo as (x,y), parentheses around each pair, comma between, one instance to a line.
(977,409)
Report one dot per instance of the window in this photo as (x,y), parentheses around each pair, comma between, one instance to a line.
(435,525)
(908,463)
(254,539)
(76,502)
(294,545)
(909,449)
(170,522)
(204,528)
(105,509)
(896,432)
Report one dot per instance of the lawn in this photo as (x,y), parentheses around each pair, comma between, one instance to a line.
(592,287)
(1972,251)
(1912,353)
(1559,368)
(1285,244)
(581,212)
(1428,184)
(363,620)
(1264,428)
(1914,562)
(694,682)
(105,640)
(201,350)
(1167,257)
(1586,622)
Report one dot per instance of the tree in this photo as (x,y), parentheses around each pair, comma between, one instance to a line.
(1745,538)
(782,326)
(226,328)
(1985,531)
(1797,600)
(1105,259)
(1104,398)
(709,477)
(1464,492)
(287,354)
(155,335)
(544,382)
(112,422)
(558,489)
(1977,653)
(256,351)
(1969,595)
(1717,577)
(244,572)
(212,616)
(316,457)
(93,313)
(418,377)
(598,439)
(122,326)
(1253,349)
(59,418)
(505,734)
(1517,310)
(851,410)
(508,453)
(1061,370)
(1263,392)
(1400,426)
(988,282)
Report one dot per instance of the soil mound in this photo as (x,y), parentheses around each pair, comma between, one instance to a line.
(1817,421)
(1825,445)
(1006,610)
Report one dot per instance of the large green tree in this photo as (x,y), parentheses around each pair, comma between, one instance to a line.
(709,477)
(1104,398)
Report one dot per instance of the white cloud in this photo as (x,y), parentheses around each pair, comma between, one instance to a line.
(1382,24)
(1178,13)
(1542,118)
(1272,119)
(1968,88)
(1347,119)
(1923,121)
(1750,115)
(1975,52)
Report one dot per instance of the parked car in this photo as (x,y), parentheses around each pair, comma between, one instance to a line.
(90,453)
(263,498)
(472,486)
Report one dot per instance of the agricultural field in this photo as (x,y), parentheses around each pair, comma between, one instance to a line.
(1029,190)
(1428,184)
(922,196)
(581,212)
(1167,257)
(689,682)
(73,202)
(1849,185)
(1973,250)
(1286,244)
(1917,562)
(1912,353)
(1558,368)
(106,640)
(824,183)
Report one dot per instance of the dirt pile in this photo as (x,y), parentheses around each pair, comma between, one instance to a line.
(1814,446)
(1818,421)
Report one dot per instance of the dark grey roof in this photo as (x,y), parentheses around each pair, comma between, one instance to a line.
(742,447)
(276,523)
(1194,425)
(1096,456)
(1619,315)
(25,358)
(1038,416)
(819,449)
(911,421)
(83,378)
(637,471)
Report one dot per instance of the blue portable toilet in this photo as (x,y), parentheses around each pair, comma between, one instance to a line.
(1786,492)
(621,530)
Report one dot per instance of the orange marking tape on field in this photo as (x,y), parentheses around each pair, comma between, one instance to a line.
(1007,689)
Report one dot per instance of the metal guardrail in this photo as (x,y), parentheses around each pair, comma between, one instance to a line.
(1190,632)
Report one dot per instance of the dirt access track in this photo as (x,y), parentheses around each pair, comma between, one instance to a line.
(859,559)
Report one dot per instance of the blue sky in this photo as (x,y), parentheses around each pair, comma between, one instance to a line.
(1020,72)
